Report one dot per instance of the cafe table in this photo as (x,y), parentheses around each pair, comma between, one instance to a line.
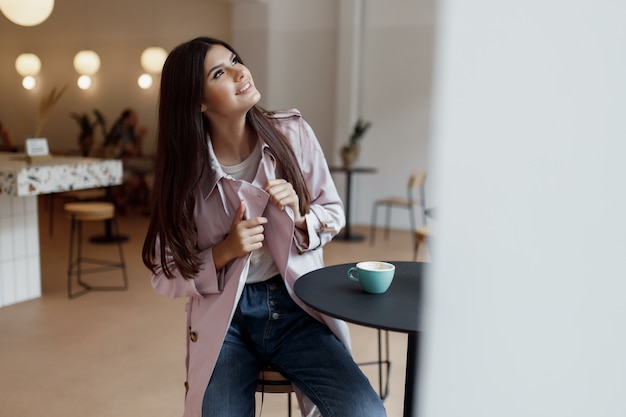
(330,291)
(21,181)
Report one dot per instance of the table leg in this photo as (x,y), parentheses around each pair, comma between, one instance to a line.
(346,235)
(108,236)
(412,372)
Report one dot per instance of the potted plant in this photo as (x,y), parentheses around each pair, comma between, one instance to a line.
(87,129)
(350,152)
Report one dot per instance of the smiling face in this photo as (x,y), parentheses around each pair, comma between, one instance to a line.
(228,85)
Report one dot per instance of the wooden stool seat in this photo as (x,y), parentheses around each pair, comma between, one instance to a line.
(273,382)
(80,212)
(90,211)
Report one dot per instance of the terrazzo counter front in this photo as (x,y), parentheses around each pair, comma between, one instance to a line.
(20,183)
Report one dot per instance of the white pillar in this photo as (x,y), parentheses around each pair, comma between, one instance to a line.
(348,99)
(525,310)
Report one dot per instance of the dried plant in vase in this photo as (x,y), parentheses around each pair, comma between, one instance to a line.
(47,103)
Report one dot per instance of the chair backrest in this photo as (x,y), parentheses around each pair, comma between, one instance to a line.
(417,179)
(416,182)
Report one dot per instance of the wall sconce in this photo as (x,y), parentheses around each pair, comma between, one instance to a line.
(86,63)
(29,82)
(152,60)
(145,81)
(27,12)
(84,82)
(28,65)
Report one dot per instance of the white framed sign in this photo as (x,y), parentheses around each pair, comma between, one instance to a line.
(37,147)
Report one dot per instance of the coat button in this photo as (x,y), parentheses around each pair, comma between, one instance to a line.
(275,316)
(186,387)
(193,336)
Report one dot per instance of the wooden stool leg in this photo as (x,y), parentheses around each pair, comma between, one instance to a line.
(383,390)
(70,260)
(74,261)
(383,378)
(91,211)
(121,252)
(289,404)
(387,221)
(79,260)
(50,214)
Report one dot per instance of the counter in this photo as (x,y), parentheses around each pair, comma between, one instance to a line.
(20,184)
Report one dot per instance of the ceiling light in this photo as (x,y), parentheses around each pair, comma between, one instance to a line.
(87,62)
(84,82)
(145,81)
(27,12)
(153,58)
(29,82)
(27,64)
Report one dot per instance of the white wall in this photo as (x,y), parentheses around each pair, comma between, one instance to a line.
(118,31)
(397,81)
(290,47)
(525,303)
(396,77)
(302,64)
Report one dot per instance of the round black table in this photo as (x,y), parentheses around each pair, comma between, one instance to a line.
(330,291)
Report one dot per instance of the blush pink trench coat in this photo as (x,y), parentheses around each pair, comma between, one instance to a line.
(213,295)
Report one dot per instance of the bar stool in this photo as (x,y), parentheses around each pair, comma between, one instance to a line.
(80,212)
(90,194)
(272,381)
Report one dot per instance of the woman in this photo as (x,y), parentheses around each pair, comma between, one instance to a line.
(243,203)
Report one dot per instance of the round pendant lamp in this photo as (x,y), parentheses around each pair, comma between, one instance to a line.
(86,62)
(152,59)
(27,12)
(27,64)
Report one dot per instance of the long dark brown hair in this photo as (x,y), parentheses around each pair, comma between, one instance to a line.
(182,154)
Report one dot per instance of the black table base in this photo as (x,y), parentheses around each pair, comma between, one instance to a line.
(108,236)
(346,236)
(349,237)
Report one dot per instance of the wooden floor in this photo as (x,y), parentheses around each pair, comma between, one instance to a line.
(122,353)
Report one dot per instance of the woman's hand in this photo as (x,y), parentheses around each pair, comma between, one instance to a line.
(282,195)
(246,235)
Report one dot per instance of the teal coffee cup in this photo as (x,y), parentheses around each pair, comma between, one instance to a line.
(375,277)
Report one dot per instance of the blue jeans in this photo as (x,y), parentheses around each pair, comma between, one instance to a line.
(299,347)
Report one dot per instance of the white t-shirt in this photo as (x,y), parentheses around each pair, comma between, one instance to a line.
(262,266)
